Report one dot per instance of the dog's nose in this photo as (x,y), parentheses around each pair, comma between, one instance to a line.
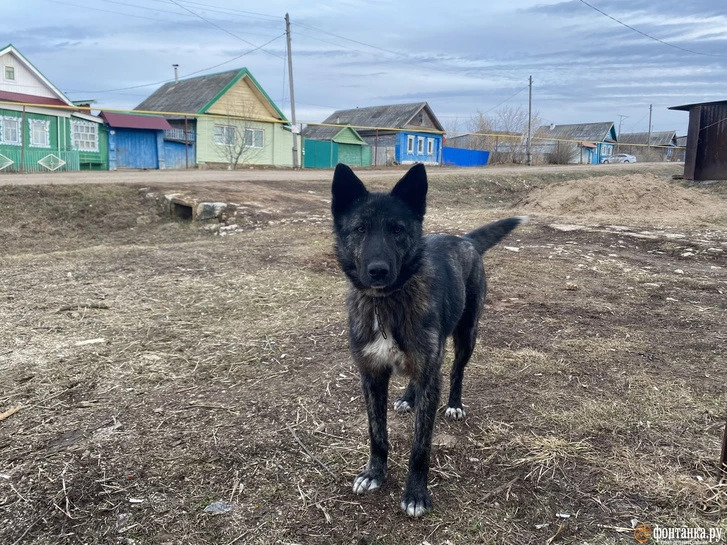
(378,270)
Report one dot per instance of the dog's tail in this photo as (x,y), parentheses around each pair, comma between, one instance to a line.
(487,236)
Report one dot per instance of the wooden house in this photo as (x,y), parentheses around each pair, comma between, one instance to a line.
(325,147)
(397,133)
(579,143)
(706,151)
(654,146)
(229,116)
(40,128)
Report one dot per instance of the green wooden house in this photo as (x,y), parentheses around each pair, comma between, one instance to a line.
(325,147)
(233,119)
(40,129)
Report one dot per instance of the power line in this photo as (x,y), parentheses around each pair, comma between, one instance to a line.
(222,28)
(355,41)
(648,35)
(508,98)
(223,9)
(186,75)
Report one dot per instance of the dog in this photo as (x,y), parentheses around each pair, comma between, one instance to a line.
(407,294)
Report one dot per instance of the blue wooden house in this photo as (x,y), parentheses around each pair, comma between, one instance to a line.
(145,142)
(587,142)
(397,133)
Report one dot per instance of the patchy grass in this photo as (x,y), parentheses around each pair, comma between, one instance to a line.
(155,361)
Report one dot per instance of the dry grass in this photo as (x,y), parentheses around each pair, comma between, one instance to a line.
(156,361)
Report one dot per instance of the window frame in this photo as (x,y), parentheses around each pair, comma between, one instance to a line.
(430,146)
(254,131)
(31,130)
(5,73)
(420,145)
(410,144)
(75,141)
(226,132)
(3,127)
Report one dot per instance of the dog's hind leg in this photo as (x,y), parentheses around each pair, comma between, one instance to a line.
(375,389)
(416,501)
(464,337)
(405,403)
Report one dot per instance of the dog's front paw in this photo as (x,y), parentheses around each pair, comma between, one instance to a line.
(402,406)
(416,503)
(367,481)
(455,413)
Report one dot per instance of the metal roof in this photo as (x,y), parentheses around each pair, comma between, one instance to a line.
(7,96)
(133,121)
(316,132)
(658,138)
(687,107)
(590,132)
(396,116)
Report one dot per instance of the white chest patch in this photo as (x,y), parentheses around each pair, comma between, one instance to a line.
(385,351)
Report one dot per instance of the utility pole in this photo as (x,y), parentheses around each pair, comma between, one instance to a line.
(621,118)
(292,94)
(648,142)
(530,119)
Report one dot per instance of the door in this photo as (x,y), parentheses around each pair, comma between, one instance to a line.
(136,149)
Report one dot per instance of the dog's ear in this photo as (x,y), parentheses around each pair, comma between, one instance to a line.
(346,189)
(412,189)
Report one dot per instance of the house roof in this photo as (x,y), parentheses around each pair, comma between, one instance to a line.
(687,107)
(132,121)
(10,48)
(589,132)
(658,138)
(322,132)
(396,116)
(682,141)
(197,95)
(7,96)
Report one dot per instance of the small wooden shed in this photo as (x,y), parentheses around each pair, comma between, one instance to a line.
(325,147)
(706,156)
(136,141)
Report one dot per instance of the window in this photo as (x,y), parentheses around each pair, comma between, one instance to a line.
(10,130)
(84,135)
(39,133)
(420,145)
(225,135)
(9,73)
(430,146)
(254,138)
(410,144)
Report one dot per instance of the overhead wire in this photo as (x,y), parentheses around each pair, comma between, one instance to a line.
(648,35)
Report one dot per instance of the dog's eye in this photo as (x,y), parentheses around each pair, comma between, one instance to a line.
(396,229)
(361,229)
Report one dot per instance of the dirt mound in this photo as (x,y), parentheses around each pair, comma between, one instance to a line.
(632,196)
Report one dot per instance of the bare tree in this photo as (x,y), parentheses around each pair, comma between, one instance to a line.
(240,139)
(504,133)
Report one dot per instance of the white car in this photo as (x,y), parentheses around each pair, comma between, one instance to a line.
(619,158)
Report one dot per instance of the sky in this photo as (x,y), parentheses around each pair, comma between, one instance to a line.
(460,57)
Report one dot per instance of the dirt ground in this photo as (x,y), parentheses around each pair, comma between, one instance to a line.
(158,366)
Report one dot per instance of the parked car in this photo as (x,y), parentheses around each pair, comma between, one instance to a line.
(619,158)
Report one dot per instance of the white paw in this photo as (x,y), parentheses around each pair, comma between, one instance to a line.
(415,510)
(402,406)
(455,414)
(365,484)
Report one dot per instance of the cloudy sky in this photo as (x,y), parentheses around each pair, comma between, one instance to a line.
(461,57)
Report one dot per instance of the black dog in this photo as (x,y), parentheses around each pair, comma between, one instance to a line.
(407,294)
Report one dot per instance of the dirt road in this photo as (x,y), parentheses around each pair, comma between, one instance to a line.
(252,175)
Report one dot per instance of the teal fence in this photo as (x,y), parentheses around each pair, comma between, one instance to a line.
(39,160)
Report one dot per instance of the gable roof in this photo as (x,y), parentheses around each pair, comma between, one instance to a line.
(132,121)
(396,116)
(8,96)
(63,99)
(588,132)
(323,132)
(658,138)
(197,95)
(687,107)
